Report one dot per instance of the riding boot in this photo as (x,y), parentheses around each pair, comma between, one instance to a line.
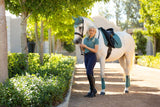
(89,93)
(92,86)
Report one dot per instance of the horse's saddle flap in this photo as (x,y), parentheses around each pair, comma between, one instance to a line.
(110,38)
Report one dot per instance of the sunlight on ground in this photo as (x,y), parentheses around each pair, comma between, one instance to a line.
(99,82)
(107,93)
(115,75)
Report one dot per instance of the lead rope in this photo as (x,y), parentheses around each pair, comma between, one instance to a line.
(82,37)
(81,51)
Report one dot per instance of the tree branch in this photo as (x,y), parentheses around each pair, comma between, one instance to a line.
(32,11)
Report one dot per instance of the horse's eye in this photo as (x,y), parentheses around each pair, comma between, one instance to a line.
(80,28)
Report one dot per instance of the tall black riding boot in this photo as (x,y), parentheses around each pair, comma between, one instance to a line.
(89,93)
(92,86)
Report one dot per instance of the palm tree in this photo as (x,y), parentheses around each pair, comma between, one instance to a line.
(3,44)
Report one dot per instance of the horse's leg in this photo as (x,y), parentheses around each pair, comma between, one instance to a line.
(122,61)
(102,66)
(129,63)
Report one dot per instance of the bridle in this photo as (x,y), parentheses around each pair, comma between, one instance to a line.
(82,29)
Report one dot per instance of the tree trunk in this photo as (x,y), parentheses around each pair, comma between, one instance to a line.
(127,22)
(58,47)
(154,45)
(24,48)
(117,3)
(41,43)
(3,44)
(53,44)
(37,39)
(49,40)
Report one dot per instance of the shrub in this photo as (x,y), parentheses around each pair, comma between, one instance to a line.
(149,61)
(69,47)
(17,64)
(31,90)
(33,63)
(42,86)
(140,41)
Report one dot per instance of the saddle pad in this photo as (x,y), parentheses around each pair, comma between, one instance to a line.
(117,44)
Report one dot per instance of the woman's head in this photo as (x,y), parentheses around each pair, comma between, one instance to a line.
(91,31)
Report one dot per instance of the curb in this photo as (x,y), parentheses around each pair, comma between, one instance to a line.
(67,98)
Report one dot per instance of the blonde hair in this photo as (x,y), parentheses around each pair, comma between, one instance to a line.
(90,27)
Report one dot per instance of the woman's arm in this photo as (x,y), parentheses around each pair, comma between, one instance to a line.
(94,50)
(82,48)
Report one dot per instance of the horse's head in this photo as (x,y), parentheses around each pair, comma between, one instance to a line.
(79,29)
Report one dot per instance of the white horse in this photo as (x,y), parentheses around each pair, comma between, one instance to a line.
(125,54)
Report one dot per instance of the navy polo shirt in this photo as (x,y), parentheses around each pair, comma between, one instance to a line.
(90,42)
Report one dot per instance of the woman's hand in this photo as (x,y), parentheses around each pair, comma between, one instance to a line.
(83,46)
(95,49)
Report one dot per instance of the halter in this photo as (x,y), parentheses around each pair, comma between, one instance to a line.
(82,29)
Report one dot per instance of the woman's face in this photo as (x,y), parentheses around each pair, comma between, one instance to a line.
(92,31)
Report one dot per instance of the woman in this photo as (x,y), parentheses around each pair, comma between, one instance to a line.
(90,48)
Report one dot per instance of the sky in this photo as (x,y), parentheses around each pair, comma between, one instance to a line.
(102,6)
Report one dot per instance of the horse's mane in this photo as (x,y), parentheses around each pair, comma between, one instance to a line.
(90,21)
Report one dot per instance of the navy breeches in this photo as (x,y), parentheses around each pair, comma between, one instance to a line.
(90,61)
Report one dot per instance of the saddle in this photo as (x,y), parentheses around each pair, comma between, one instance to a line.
(109,36)
(110,39)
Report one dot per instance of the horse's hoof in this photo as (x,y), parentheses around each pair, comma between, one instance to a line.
(126,91)
(102,93)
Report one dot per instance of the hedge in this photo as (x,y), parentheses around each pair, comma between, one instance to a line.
(38,85)
(149,61)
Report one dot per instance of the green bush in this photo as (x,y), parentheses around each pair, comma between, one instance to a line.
(17,64)
(140,41)
(33,63)
(39,85)
(69,47)
(31,90)
(149,61)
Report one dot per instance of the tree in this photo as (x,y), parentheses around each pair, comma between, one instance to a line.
(126,13)
(54,13)
(24,9)
(3,44)
(58,18)
(118,11)
(131,10)
(150,16)
(140,41)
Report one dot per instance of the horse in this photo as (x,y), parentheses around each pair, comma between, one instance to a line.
(125,54)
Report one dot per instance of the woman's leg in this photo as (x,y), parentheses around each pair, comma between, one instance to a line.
(86,63)
(90,66)
(91,61)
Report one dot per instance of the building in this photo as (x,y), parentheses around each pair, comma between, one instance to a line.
(13,34)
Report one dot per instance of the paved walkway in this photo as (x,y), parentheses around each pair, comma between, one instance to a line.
(144,90)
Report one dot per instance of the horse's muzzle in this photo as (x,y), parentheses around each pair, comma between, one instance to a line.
(77,41)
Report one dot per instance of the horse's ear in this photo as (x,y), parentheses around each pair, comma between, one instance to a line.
(74,18)
(80,18)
